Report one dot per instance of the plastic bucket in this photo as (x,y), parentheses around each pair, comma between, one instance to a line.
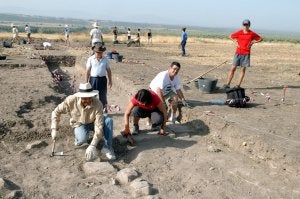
(207,85)
(120,58)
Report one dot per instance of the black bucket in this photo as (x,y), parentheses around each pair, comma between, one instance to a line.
(207,85)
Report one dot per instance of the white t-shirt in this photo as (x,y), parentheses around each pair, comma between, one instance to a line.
(162,80)
(128,33)
(98,68)
(15,31)
(96,33)
(27,29)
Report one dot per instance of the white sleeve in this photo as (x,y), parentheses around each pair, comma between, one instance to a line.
(89,63)
(91,32)
(177,82)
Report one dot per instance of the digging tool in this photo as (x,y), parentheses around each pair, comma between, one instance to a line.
(55,153)
(207,72)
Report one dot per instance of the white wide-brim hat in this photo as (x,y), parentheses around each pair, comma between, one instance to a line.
(66,25)
(85,90)
(95,25)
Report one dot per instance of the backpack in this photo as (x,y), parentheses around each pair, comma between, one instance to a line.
(236,97)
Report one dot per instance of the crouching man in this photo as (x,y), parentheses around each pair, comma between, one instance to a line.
(86,113)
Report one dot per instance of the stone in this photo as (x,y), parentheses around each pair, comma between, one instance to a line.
(36,144)
(96,168)
(213,149)
(244,144)
(3,184)
(140,188)
(14,194)
(126,175)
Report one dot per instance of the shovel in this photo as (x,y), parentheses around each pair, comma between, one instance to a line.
(207,72)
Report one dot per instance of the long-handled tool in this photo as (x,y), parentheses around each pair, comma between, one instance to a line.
(207,72)
(55,153)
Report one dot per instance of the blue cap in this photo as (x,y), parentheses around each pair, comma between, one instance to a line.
(246,22)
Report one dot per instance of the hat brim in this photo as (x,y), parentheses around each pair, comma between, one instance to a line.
(87,94)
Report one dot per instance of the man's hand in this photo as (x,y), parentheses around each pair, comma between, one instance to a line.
(126,133)
(90,153)
(54,134)
(184,103)
(110,84)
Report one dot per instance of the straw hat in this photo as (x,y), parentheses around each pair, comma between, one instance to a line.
(85,90)
(95,25)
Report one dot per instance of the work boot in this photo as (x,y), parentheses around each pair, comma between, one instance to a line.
(136,129)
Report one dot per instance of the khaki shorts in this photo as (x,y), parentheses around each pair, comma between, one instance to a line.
(169,97)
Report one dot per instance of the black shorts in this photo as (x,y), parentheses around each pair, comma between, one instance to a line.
(155,115)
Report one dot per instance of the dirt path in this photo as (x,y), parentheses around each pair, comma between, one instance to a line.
(207,158)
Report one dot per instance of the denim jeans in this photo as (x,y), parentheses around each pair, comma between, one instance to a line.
(183,48)
(82,132)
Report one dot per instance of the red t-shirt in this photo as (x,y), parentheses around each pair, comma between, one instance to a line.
(244,40)
(155,102)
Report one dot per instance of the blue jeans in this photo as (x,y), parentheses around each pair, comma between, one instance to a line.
(82,132)
(183,48)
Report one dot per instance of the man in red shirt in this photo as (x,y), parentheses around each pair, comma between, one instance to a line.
(244,40)
(145,103)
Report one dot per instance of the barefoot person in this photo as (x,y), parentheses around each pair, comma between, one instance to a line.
(98,73)
(167,86)
(86,114)
(145,104)
(244,40)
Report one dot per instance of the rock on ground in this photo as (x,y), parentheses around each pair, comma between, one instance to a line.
(98,168)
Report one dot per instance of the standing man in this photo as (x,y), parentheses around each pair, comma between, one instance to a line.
(183,41)
(115,35)
(138,37)
(149,34)
(86,113)
(244,40)
(167,86)
(67,34)
(28,33)
(97,68)
(15,34)
(128,34)
(96,35)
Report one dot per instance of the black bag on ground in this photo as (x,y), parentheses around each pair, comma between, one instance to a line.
(7,44)
(236,97)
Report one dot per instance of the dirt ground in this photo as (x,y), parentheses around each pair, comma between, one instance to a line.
(216,151)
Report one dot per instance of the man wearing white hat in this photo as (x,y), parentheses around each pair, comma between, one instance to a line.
(86,113)
(67,34)
(96,35)
(15,33)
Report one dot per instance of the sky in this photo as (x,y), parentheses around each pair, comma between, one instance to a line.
(277,15)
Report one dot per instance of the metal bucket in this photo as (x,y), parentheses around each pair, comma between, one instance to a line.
(207,85)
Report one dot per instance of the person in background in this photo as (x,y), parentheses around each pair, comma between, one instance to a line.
(128,34)
(28,33)
(183,41)
(244,40)
(86,112)
(138,37)
(67,34)
(115,35)
(15,34)
(166,85)
(96,35)
(149,34)
(98,73)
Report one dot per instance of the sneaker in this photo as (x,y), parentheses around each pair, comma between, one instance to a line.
(136,130)
(155,127)
(225,86)
(110,154)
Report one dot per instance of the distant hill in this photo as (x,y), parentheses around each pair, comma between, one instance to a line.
(55,24)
